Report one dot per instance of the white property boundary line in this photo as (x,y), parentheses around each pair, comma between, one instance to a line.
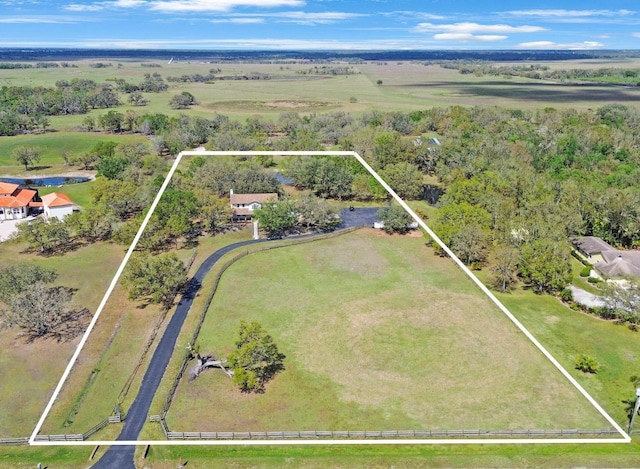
(32,439)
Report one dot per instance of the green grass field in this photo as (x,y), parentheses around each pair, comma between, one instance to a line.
(379,334)
(32,370)
(53,145)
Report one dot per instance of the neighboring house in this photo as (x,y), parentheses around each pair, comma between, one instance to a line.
(15,202)
(591,248)
(57,205)
(243,205)
(606,259)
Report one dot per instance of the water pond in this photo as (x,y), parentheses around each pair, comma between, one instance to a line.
(44,181)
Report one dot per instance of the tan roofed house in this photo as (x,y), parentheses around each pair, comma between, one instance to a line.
(243,205)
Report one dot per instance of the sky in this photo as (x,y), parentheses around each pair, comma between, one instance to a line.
(321,24)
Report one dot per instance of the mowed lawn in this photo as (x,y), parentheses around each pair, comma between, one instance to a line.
(53,145)
(379,334)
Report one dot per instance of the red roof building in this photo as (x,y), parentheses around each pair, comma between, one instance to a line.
(15,201)
(57,205)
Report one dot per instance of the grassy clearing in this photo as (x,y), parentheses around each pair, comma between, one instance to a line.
(581,282)
(79,193)
(111,354)
(406,86)
(567,334)
(33,369)
(375,338)
(53,145)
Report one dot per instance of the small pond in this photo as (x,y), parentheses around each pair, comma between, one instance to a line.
(45,181)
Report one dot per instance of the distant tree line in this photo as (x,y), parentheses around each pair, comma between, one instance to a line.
(544,72)
(332,70)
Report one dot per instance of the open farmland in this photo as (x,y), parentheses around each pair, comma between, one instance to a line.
(379,334)
(406,86)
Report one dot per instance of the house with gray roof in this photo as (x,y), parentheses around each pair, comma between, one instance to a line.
(606,259)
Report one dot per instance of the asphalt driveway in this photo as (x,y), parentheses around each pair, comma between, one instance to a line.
(359,216)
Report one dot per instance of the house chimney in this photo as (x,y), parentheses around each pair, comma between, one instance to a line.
(230,191)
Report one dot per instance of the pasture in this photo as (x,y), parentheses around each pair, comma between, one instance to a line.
(379,334)
(54,145)
(106,371)
(32,369)
(406,86)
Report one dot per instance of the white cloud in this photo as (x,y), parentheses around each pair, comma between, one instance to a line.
(564,14)
(471,28)
(173,6)
(36,20)
(104,5)
(127,3)
(466,37)
(550,45)
(296,17)
(413,15)
(239,20)
(83,7)
(301,17)
(177,6)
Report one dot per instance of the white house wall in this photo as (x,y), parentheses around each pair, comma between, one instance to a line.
(58,212)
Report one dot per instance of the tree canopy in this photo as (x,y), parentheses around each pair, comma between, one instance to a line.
(157,278)
(256,358)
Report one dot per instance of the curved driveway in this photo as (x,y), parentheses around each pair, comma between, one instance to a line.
(121,457)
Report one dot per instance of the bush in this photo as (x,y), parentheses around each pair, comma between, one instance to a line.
(593,280)
(587,364)
(585,272)
(566,295)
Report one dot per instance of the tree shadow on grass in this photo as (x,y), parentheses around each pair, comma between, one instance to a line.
(61,250)
(38,168)
(71,325)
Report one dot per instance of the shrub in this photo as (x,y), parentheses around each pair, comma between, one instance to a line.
(566,295)
(585,271)
(587,364)
(593,280)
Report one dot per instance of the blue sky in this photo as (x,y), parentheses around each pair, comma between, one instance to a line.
(321,24)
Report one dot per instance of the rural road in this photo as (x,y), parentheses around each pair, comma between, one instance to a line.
(122,457)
